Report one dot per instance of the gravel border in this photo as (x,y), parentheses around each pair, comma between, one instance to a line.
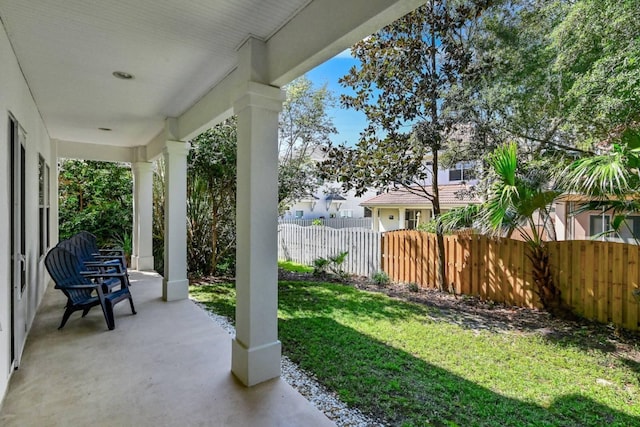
(324,400)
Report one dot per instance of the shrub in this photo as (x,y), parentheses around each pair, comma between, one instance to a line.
(380,278)
(429,226)
(413,287)
(331,265)
(320,266)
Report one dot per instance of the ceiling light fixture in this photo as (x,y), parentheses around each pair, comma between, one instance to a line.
(122,75)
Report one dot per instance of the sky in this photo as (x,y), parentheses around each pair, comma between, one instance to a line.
(349,123)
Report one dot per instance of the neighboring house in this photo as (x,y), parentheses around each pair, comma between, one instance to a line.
(327,203)
(402,209)
(570,225)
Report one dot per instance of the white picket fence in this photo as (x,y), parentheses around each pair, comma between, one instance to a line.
(331,222)
(305,244)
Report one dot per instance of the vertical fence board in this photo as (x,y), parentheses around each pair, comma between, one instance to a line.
(615,306)
(421,257)
(590,277)
(577,285)
(474,265)
(396,261)
(568,261)
(425,260)
(483,253)
(457,266)
(633,308)
(467,281)
(509,297)
(603,285)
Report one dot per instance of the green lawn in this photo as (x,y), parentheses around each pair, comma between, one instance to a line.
(393,360)
(295,267)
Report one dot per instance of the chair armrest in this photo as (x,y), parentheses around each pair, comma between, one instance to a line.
(94,286)
(94,274)
(102,265)
(108,256)
(106,251)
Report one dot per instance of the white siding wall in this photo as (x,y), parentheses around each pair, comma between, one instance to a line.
(15,97)
(387,223)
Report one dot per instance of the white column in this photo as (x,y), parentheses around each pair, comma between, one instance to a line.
(175,285)
(256,349)
(401,217)
(142,256)
(375,218)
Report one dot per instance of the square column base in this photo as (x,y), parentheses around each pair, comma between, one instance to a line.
(142,263)
(175,290)
(255,365)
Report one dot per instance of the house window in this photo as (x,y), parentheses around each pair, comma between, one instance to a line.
(597,225)
(368,213)
(43,205)
(635,226)
(411,219)
(346,213)
(630,230)
(462,172)
(299,214)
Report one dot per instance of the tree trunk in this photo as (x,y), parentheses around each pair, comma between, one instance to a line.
(550,295)
(435,146)
(214,236)
(441,277)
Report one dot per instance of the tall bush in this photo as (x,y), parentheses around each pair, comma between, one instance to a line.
(97,197)
(211,195)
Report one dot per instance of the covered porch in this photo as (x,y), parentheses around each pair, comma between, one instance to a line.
(131,82)
(166,366)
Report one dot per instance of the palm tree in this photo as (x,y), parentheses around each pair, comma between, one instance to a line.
(519,203)
(611,179)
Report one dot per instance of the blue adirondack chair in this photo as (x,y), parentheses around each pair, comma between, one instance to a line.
(81,288)
(90,263)
(90,251)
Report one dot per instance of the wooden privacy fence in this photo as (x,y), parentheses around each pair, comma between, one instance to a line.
(306,244)
(598,279)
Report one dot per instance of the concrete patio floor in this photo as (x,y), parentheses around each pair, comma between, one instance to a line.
(169,365)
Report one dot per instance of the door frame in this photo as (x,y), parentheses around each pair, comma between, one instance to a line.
(17,223)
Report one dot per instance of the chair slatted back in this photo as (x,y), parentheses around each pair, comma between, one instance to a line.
(71,245)
(64,268)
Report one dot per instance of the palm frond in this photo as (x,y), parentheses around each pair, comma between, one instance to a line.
(459,218)
(504,161)
(604,175)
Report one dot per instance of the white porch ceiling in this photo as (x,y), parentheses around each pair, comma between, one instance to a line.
(177,50)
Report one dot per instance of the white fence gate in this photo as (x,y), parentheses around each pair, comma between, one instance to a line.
(305,244)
